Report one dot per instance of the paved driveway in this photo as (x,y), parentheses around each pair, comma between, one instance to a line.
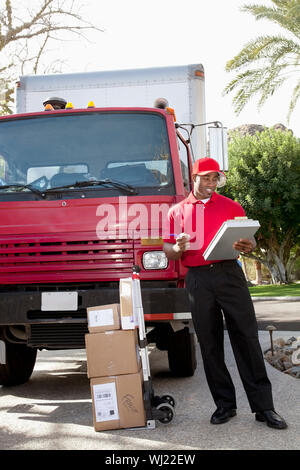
(53,410)
(283,314)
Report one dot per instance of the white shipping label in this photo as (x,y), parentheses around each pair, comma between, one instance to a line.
(101,317)
(105,402)
(127,323)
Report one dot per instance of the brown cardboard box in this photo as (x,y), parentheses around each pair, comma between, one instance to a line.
(118,402)
(126,304)
(113,352)
(103,317)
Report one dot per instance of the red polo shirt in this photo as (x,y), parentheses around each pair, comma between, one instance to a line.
(201,221)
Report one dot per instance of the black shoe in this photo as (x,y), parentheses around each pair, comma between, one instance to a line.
(272,419)
(222,415)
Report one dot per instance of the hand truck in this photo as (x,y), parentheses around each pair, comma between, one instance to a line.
(159,408)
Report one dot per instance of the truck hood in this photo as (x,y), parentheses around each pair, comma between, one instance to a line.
(122,216)
(77,240)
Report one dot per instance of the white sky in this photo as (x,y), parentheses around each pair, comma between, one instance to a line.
(143,33)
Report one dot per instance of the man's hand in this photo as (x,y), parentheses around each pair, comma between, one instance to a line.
(244,245)
(174,250)
(182,243)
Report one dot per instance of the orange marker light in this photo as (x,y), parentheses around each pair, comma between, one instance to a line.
(69,106)
(171,111)
(91,104)
(48,107)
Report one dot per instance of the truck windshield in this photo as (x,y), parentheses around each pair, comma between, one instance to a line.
(54,151)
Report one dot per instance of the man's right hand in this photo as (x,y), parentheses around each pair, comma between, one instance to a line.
(182,243)
(175,250)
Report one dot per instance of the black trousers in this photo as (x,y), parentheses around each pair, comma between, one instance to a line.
(222,287)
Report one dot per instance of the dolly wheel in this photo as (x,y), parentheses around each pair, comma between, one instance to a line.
(169,399)
(168,411)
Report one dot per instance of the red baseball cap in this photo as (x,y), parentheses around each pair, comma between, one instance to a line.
(206,165)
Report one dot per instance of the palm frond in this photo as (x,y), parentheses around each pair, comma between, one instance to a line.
(285,14)
(246,84)
(262,82)
(285,50)
(266,62)
(261,48)
(272,81)
(293,102)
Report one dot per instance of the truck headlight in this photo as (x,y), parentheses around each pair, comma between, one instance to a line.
(155,260)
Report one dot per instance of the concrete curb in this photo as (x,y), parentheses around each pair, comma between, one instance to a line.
(282,299)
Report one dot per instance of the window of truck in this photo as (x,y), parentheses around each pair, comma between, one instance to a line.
(57,150)
(184,162)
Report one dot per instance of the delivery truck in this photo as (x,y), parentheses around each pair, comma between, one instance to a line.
(85,188)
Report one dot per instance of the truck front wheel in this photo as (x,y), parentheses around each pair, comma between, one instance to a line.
(182,353)
(19,363)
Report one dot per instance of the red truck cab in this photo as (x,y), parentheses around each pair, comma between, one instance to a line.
(84,195)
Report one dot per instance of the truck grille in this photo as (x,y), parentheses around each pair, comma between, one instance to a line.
(70,257)
(58,336)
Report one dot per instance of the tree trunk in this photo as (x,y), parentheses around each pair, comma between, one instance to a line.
(245,268)
(258,279)
(274,274)
(277,268)
(278,259)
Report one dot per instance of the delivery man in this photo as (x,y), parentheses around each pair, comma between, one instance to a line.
(218,288)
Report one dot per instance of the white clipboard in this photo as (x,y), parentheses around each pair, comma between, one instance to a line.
(220,248)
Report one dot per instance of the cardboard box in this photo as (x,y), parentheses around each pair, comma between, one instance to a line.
(118,402)
(126,304)
(113,352)
(103,317)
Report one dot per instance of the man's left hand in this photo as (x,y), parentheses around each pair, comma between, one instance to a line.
(244,245)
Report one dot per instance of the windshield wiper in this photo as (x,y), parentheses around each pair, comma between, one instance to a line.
(19,187)
(78,184)
(81,184)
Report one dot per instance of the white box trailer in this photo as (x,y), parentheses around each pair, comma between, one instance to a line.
(183,87)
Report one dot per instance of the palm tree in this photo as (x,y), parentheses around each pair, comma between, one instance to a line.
(266,62)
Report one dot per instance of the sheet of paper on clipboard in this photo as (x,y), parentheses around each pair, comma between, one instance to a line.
(220,248)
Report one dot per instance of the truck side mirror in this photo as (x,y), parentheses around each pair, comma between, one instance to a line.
(218,146)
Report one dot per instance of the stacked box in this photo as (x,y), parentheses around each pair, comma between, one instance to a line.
(114,370)
(128,320)
(118,402)
(103,318)
(114,352)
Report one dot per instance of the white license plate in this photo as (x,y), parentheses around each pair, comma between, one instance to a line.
(59,301)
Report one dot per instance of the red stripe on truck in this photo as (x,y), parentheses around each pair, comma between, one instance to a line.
(159,316)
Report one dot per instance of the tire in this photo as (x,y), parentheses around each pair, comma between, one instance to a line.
(20,361)
(169,399)
(168,411)
(182,353)
(159,400)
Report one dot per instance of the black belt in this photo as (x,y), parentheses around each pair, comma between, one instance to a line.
(214,266)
